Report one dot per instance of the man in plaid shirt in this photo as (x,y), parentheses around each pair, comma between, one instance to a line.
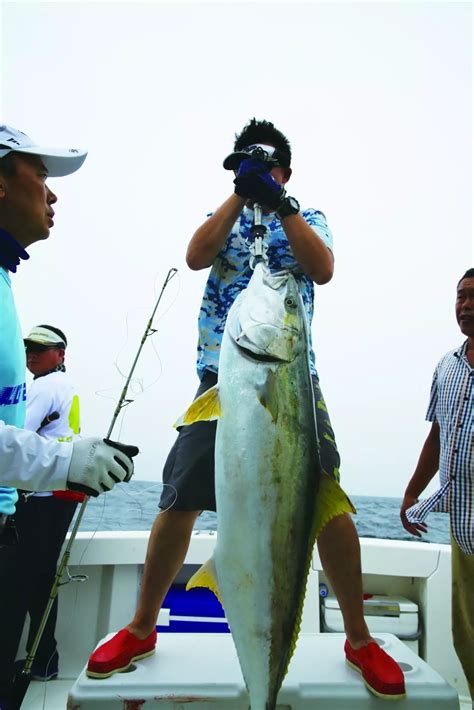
(449,448)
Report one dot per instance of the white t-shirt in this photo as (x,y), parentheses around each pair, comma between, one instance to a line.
(27,460)
(53,393)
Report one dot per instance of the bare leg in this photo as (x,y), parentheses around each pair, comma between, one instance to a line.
(166,552)
(339,550)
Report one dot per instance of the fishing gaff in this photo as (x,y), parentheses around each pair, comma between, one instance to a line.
(22,681)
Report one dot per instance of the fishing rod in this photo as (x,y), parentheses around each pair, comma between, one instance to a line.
(258,249)
(22,681)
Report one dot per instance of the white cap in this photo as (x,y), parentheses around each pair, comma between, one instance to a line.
(44,335)
(58,161)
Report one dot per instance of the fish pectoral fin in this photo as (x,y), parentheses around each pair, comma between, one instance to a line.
(205,577)
(205,408)
(332,501)
(268,395)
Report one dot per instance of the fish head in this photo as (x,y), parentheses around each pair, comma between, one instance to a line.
(267,320)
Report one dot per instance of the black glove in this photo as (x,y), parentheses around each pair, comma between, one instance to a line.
(255,182)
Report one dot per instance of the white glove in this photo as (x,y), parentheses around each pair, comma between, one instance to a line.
(98,464)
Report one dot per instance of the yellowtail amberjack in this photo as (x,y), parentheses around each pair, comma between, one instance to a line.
(272,495)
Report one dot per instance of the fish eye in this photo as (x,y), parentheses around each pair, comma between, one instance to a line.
(290,302)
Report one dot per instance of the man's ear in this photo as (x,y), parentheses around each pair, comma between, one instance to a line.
(286,175)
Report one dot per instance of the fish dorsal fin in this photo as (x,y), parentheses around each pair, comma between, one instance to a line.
(205,577)
(205,408)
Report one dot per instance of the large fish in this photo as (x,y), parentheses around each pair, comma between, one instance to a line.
(272,496)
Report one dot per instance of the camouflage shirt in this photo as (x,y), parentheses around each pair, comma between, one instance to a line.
(231,272)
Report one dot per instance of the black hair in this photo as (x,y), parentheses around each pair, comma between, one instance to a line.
(55,330)
(263,132)
(8,164)
(468,275)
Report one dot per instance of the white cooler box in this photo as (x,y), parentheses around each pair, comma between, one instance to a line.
(201,672)
(394,615)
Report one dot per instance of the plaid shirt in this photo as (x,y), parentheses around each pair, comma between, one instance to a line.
(452,406)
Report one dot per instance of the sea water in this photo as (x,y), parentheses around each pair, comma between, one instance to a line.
(134,506)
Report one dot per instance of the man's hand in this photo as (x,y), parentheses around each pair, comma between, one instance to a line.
(98,464)
(254,181)
(416,529)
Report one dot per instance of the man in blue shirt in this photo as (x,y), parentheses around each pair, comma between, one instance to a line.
(299,240)
(27,460)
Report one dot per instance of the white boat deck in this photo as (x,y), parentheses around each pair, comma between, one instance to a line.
(53,696)
(114,563)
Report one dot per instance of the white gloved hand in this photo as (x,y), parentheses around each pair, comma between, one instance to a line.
(98,464)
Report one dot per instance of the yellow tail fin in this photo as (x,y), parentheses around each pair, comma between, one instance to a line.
(332,501)
(205,577)
(205,408)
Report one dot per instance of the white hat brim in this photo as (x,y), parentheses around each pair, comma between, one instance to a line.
(58,162)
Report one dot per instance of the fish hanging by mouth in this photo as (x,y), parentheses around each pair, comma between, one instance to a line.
(273,498)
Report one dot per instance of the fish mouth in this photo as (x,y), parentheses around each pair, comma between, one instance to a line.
(259,357)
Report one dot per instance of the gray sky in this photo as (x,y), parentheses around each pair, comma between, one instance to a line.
(376,100)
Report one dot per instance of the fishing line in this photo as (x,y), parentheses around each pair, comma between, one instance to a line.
(136,384)
(22,681)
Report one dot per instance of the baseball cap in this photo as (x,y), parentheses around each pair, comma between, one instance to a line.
(47,336)
(58,161)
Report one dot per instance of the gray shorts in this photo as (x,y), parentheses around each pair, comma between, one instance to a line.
(189,468)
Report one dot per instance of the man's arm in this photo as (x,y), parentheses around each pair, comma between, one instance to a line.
(210,237)
(426,468)
(33,463)
(309,250)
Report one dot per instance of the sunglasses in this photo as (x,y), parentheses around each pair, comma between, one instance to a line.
(37,348)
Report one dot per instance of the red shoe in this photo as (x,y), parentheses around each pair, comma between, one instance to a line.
(382,675)
(118,654)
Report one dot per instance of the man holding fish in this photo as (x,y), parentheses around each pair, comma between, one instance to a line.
(271,461)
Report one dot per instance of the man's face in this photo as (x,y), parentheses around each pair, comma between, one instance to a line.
(40,359)
(281,175)
(465,306)
(26,201)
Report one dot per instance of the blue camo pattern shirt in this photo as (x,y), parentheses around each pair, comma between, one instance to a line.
(231,273)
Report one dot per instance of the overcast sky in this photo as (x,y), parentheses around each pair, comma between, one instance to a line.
(376,100)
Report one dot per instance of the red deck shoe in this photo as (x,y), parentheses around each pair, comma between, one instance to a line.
(382,675)
(118,654)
